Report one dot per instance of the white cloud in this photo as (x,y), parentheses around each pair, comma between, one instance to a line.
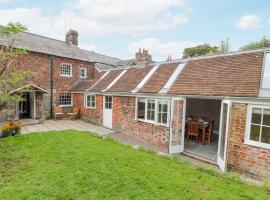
(160,50)
(92,17)
(249,22)
(6,1)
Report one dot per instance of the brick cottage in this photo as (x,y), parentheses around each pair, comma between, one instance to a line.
(226,97)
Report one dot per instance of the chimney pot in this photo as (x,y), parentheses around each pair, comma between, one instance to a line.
(72,37)
(143,57)
(169,58)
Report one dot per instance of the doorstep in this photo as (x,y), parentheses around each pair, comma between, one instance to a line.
(27,122)
(199,158)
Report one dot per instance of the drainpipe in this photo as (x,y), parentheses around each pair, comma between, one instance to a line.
(52,83)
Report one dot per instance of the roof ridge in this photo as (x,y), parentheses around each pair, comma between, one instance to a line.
(216,55)
(47,37)
(130,67)
(101,54)
(62,41)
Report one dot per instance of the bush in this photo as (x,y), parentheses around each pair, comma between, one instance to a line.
(11,128)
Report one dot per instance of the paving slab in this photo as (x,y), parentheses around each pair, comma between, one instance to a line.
(52,125)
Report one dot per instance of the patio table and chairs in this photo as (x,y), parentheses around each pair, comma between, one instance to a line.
(200,128)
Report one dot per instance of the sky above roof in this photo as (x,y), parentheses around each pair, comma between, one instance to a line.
(165,27)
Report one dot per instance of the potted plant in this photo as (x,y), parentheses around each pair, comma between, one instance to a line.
(11,128)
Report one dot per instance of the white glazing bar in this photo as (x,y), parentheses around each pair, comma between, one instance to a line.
(102,77)
(115,80)
(172,79)
(146,78)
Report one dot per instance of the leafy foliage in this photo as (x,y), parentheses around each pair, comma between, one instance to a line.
(264,42)
(10,78)
(199,50)
(206,49)
(224,46)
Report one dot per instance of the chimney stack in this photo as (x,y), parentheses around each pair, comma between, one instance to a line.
(143,57)
(72,37)
(169,58)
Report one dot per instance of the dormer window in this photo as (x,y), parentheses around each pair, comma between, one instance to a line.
(82,73)
(66,70)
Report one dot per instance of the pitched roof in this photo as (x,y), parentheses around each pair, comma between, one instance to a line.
(41,44)
(226,75)
(82,85)
(104,82)
(130,79)
(159,78)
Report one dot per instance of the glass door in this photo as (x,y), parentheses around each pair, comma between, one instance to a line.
(177,125)
(223,134)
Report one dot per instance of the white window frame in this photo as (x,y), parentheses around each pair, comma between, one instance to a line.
(155,122)
(65,65)
(168,111)
(248,141)
(67,105)
(86,101)
(85,72)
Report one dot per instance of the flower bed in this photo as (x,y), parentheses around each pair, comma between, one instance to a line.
(11,128)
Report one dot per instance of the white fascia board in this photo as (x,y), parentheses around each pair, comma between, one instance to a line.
(172,79)
(115,80)
(146,78)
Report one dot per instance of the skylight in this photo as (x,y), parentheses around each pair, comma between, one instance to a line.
(266,72)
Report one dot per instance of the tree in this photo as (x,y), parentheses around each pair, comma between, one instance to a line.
(224,46)
(10,78)
(264,42)
(199,50)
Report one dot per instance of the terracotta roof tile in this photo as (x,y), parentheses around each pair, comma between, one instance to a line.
(130,79)
(105,82)
(232,75)
(159,78)
(82,85)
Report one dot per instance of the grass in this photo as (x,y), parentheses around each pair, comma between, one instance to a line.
(78,165)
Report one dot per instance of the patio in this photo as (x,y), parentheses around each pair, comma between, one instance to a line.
(52,125)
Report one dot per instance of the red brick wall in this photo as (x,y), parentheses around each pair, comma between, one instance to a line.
(94,116)
(40,63)
(247,159)
(124,121)
(62,83)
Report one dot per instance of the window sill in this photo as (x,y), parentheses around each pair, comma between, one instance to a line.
(66,75)
(65,106)
(90,107)
(257,144)
(152,122)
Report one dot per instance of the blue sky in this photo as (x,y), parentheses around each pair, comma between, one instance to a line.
(165,27)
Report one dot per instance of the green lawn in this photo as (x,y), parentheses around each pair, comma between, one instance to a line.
(78,165)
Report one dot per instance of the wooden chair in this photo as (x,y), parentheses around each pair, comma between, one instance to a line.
(206,119)
(193,130)
(58,113)
(210,132)
(73,113)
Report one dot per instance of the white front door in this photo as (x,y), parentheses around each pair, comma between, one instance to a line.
(177,125)
(223,134)
(107,111)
